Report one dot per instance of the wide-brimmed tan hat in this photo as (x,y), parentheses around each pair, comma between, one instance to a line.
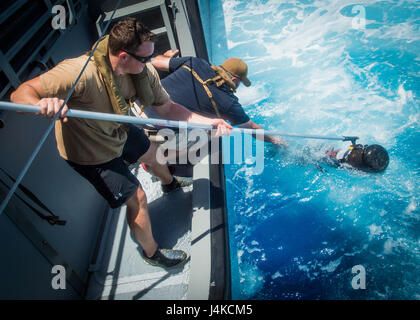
(238,68)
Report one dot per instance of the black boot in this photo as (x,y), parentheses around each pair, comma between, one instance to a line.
(166,257)
(177,183)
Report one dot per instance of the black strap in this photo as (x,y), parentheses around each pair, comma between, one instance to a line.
(50,217)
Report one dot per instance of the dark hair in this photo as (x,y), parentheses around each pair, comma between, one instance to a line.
(127,34)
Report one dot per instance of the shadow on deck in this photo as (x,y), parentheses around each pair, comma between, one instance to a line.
(121,273)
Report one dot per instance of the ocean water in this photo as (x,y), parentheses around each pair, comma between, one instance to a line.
(297,229)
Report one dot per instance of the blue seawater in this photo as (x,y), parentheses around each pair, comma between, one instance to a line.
(328,68)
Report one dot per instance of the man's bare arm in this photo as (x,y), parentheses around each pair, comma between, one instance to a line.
(161,62)
(32,92)
(29,92)
(174,111)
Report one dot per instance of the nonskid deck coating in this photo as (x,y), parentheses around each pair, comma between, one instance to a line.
(123,274)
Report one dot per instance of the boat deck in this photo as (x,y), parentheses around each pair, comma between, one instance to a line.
(121,272)
(96,247)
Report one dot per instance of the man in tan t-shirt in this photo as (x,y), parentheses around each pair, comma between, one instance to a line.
(102,150)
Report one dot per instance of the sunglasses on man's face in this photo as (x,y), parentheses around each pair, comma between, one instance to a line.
(138,58)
